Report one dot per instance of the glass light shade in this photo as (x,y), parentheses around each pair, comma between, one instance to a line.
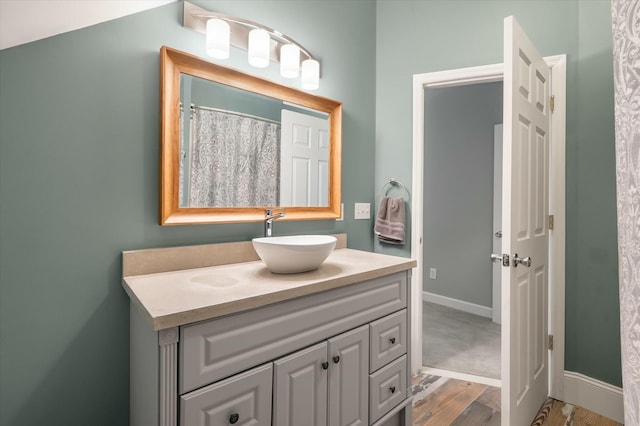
(259,48)
(289,61)
(310,79)
(218,36)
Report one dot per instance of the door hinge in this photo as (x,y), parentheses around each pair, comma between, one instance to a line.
(550,221)
(550,342)
(552,102)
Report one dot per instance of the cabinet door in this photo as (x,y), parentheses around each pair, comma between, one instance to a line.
(349,378)
(300,388)
(242,399)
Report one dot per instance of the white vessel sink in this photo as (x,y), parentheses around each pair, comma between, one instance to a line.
(294,254)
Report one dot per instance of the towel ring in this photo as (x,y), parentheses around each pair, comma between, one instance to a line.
(394,183)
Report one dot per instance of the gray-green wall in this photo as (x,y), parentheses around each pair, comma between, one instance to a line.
(79,147)
(458,200)
(424,36)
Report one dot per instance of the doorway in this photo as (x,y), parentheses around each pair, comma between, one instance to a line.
(459,308)
(484,74)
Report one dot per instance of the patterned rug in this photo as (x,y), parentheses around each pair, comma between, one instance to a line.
(543,413)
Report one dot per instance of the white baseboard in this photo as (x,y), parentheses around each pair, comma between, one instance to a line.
(594,395)
(462,376)
(460,305)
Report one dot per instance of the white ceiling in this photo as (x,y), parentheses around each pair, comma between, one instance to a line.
(23,21)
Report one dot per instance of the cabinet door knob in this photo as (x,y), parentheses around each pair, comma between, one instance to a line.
(393,340)
(392,389)
(233,419)
(336,359)
(325,365)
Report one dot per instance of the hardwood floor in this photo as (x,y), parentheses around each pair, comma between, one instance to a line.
(457,402)
(439,401)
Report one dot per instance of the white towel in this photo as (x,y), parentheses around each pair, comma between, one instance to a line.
(390,221)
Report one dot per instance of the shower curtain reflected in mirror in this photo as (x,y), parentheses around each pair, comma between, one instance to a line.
(248,175)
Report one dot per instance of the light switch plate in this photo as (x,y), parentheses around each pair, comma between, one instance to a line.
(362,211)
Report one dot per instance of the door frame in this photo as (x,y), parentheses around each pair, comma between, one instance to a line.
(496,268)
(488,74)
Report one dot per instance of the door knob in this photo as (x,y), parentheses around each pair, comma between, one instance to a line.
(502,258)
(526,261)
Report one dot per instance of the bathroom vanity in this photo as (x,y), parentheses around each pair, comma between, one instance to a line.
(217,339)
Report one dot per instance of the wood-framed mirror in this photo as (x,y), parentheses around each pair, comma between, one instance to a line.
(234,145)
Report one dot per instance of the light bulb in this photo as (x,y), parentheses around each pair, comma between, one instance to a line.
(259,48)
(289,61)
(310,79)
(218,36)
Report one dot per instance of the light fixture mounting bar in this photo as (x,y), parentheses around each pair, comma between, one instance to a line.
(196,18)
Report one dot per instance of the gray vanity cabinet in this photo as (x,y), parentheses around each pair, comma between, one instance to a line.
(337,357)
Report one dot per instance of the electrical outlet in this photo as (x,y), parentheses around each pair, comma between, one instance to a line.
(433,273)
(362,211)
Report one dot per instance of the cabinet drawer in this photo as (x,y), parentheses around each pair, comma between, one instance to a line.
(388,337)
(241,399)
(387,388)
(219,348)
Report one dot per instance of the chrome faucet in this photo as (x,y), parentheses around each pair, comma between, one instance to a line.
(269,217)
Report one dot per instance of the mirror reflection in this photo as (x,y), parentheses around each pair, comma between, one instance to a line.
(244,149)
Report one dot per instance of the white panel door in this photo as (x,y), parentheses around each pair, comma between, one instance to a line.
(349,378)
(304,160)
(525,231)
(300,388)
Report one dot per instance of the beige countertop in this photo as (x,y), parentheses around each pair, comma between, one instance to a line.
(170,299)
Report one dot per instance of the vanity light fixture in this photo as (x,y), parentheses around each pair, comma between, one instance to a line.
(262,43)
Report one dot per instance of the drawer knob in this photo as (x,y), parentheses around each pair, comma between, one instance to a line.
(336,359)
(325,365)
(233,419)
(392,389)
(393,340)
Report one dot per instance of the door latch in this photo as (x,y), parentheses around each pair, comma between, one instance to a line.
(503,258)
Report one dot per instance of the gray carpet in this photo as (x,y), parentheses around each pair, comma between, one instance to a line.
(460,341)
